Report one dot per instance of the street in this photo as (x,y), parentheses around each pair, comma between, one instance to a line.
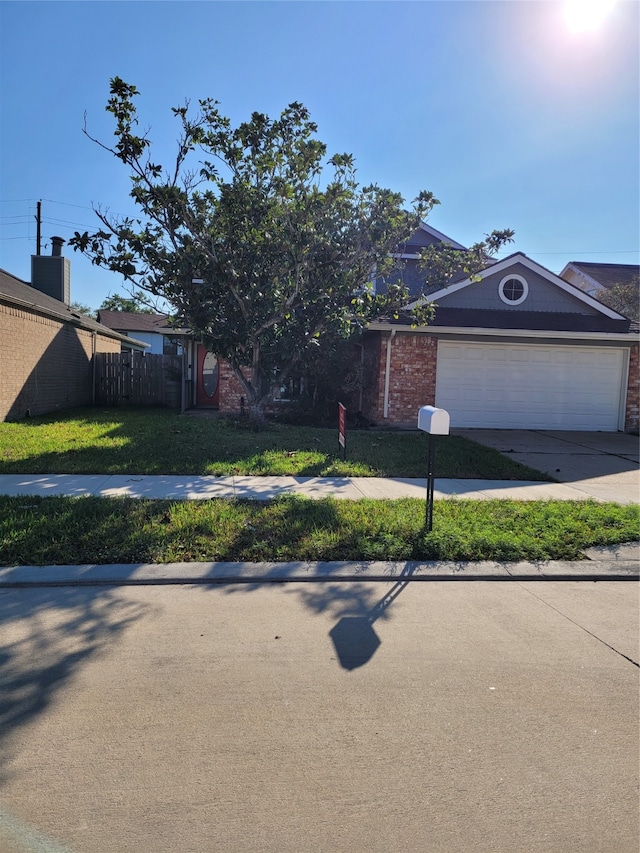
(336,716)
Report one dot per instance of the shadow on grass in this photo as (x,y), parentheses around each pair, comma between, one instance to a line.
(159,441)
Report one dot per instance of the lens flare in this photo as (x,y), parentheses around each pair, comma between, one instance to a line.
(585,16)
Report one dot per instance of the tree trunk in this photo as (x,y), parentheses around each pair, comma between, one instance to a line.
(256,414)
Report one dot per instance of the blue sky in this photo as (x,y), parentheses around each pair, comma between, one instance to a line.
(508,116)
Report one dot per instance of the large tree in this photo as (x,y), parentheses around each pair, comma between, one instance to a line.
(264,247)
(623,298)
(135,303)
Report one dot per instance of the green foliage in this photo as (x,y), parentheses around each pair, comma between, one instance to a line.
(623,298)
(46,531)
(441,261)
(135,304)
(263,245)
(83,309)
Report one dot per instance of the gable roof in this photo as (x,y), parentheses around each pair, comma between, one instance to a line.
(601,275)
(413,247)
(17,292)
(134,321)
(520,258)
(442,238)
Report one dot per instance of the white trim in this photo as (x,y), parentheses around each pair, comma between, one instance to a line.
(519,258)
(624,389)
(525,289)
(614,337)
(440,236)
(387,375)
(590,283)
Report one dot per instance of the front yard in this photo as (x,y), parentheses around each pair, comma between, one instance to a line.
(158,441)
(41,531)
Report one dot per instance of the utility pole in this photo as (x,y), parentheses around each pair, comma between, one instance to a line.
(38,226)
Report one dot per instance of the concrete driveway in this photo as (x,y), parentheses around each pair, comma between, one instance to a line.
(605,462)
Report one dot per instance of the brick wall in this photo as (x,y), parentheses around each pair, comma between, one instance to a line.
(231,391)
(632,413)
(45,364)
(412,377)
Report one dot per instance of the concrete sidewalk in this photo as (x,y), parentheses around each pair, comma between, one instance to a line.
(265,488)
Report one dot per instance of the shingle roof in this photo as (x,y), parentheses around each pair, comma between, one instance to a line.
(131,321)
(608,275)
(19,292)
(481,318)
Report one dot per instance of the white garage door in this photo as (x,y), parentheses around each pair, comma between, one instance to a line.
(523,386)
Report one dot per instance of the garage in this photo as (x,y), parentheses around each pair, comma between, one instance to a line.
(531,386)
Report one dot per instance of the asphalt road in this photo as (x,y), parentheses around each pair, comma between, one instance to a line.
(334,716)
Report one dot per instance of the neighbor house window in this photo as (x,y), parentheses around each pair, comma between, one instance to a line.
(513,289)
(170,346)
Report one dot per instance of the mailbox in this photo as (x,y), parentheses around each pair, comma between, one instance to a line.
(434,421)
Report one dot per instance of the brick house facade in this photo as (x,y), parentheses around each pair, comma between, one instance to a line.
(46,351)
(401,371)
(514,347)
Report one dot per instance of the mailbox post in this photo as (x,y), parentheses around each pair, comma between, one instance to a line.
(434,422)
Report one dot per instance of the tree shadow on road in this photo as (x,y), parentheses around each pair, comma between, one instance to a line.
(47,635)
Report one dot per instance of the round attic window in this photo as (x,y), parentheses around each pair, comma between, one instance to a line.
(513,289)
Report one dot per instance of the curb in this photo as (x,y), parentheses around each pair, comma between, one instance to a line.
(204,574)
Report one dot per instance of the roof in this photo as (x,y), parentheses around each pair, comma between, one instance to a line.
(134,321)
(604,275)
(520,258)
(18,292)
(558,321)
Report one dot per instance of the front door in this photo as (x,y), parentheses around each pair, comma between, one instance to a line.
(208,379)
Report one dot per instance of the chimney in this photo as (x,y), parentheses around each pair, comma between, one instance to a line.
(52,275)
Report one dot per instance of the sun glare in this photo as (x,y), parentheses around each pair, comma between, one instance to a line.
(585,16)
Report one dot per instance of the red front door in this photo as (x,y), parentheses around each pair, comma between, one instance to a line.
(208,379)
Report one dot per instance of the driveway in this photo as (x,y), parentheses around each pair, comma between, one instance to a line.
(606,462)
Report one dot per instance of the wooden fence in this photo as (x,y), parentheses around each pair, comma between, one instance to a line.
(134,379)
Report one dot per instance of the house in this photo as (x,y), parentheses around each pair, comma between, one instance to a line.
(154,329)
(514,347)
(205,382)
(46,347)
(594,277)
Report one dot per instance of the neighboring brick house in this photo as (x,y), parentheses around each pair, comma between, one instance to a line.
(46,347)
(516,347)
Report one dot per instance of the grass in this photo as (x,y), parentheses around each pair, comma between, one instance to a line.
(158,441)
(57,530)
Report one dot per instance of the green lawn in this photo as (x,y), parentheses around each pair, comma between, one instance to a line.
(158,441)
(56,530)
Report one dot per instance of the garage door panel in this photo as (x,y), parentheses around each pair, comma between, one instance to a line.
(529,386)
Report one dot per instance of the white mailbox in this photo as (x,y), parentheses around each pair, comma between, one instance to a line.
(434,421)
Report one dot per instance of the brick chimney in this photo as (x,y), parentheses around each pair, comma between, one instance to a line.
(52,274)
